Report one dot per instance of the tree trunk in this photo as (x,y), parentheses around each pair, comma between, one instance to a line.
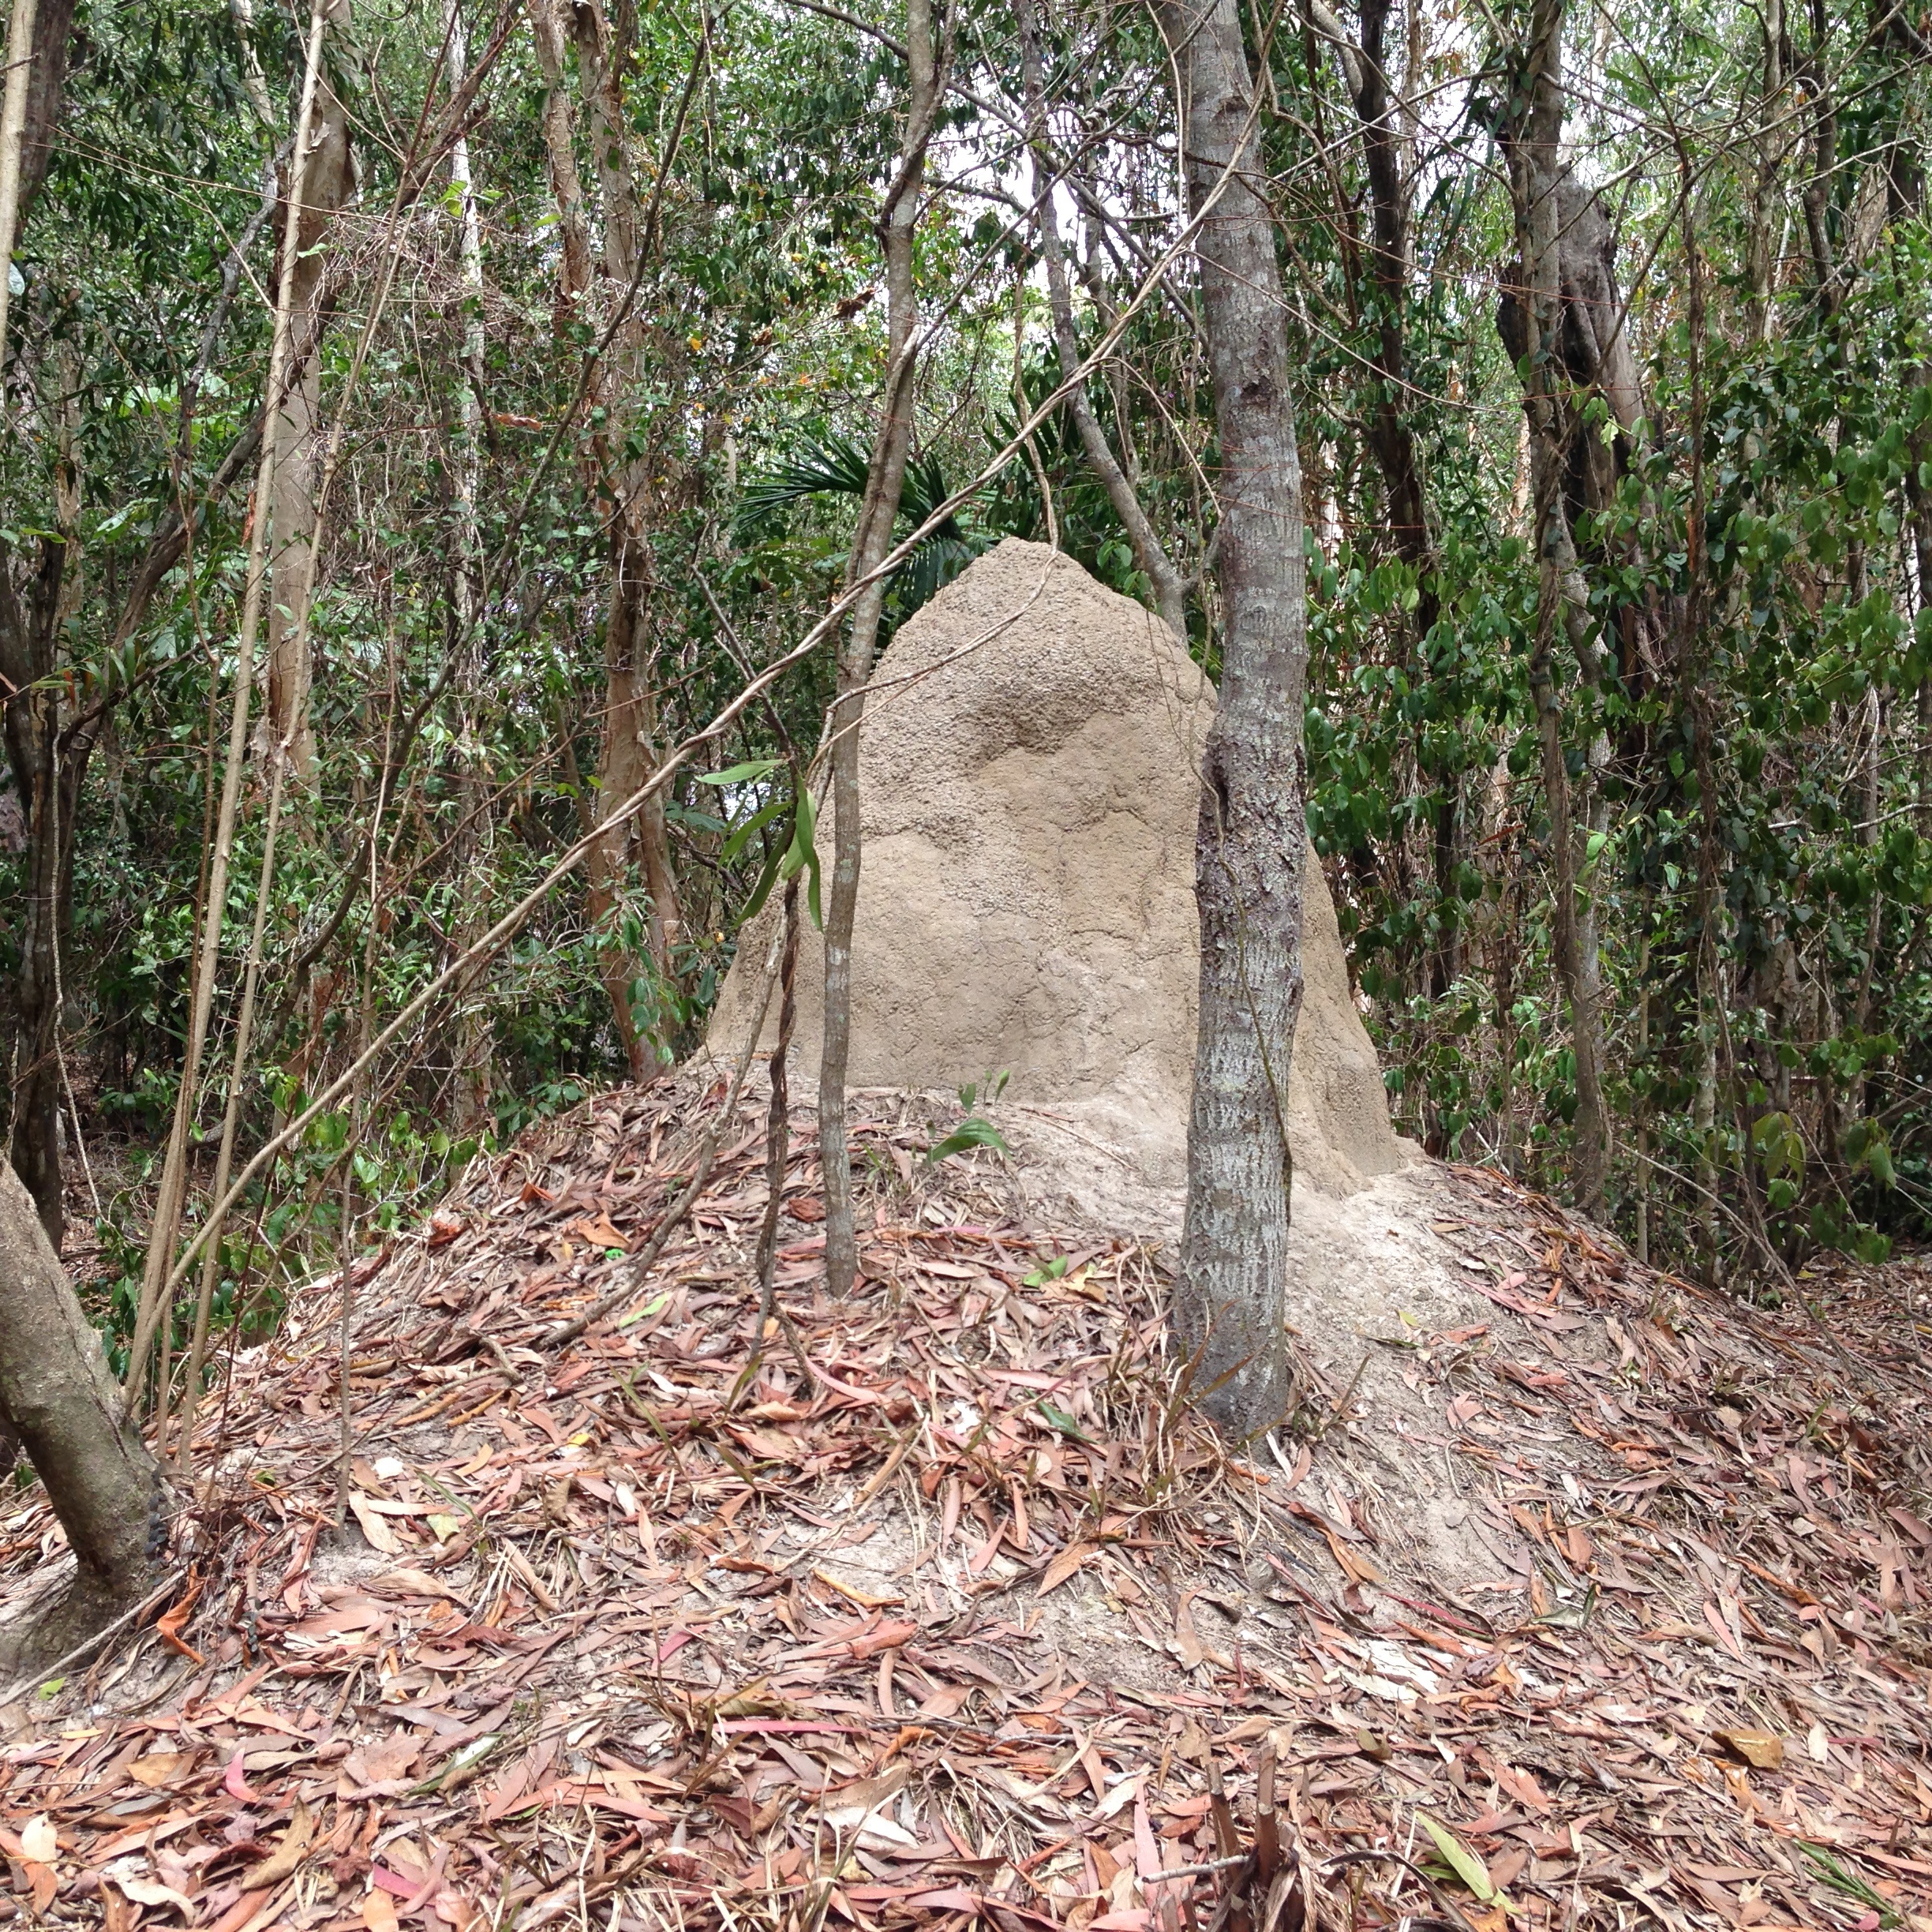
(328,181)
(630,751)
(886,476)
(475,1034)
(57,1395)
(1229,1308)
(1760,236)
(204,959)
(627,752)
(34,85)
(1564,284)
(46,778)
(47,774)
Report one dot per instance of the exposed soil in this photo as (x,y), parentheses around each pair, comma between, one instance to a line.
(1620,1583)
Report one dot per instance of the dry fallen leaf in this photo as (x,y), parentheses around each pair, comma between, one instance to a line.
(151,1891)
(1065,1565)
(411,1583)
(160,1769)
(46,1883)
(282,1862)
(380,1535)
(379,1912)
(1764,1750)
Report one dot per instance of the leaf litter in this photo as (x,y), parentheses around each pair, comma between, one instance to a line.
(981,1623)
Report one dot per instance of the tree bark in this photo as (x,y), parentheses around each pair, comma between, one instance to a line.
(1760,236)
(474,1033)
(1405,503)
(35,84)
(630,751)
(1229,1308)
(1564,280)
(328,183)
(627,749)
(49,785)
(898,217)
(155,1299)
(57,1395)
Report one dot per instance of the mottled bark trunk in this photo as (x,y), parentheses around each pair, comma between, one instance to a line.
(1229,1308)
(628,751)
(631,749)
(36,77)
(1380,115)
(47,769)
(898,217)
(1761,240)
(329,181)
(473,1070)
(57,1397)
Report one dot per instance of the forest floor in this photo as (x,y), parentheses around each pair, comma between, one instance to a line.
(980,1623)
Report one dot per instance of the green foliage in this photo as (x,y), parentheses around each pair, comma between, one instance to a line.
(1760,873)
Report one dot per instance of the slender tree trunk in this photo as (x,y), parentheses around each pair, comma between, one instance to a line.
(1405,501)
(46,776)
(1532,145)
(328,183)
(470,859)
(1229,1308)
(206,954)
(1150,557)
(47,765)
(19,72)
(628,751)
(1920,495)
(1760,240)
(1818,187)
(57,1397)
(898,216)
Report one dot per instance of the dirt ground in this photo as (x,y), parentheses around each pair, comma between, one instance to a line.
(1571,1593)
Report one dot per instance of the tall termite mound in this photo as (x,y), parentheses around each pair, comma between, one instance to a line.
(1029,769)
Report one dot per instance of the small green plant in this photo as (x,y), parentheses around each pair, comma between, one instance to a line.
(1833,1874)
(975,1130)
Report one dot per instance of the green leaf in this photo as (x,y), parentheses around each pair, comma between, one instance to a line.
(1059,1419)
(741,774)
(1460,1859)
(1832,1874)
(761,891)
(752,826)
(803,852)
(971,1132)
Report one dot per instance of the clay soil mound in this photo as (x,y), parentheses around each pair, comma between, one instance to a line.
(1029,773)
(978,1628)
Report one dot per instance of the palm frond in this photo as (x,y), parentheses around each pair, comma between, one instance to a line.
(834,466)
(838,465)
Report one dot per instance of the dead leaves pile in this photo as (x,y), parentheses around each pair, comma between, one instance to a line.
(978,1624)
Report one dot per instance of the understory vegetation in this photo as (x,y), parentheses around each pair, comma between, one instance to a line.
(1619,720)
